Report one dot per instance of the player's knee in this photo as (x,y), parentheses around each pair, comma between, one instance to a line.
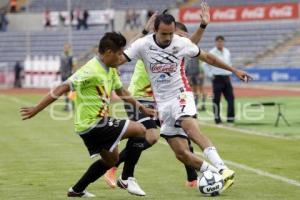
(182,155)
(112,161)
(152,136)
(141,130)
(135,129)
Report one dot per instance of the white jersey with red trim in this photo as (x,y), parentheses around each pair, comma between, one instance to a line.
(165,65)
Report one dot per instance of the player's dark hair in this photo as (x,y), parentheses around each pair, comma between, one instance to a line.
(163,18)
(220,37)
(181,26)
(111,40)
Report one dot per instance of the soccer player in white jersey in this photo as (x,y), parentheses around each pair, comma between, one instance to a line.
(140,87)
(163,55)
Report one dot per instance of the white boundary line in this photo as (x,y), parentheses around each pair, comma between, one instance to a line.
(249,132)
(270,87)
(253,170)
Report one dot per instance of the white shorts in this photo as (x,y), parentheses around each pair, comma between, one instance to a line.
(183,105)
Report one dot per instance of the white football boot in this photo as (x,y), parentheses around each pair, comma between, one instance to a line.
(131,186)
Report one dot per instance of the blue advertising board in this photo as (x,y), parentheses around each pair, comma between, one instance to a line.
(273,74)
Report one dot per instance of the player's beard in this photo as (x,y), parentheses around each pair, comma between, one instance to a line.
(167,42)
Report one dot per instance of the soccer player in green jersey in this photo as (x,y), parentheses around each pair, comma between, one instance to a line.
(93,84)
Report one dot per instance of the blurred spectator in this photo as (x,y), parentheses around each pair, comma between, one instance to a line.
(71,16)
(82,17)
(66,69)
(13,6)
(3,20)
(79,17)
(47,18)
(128,20)
(61,19)
(110,19)
(195,74)
(136,19)
(85,19)
(18,77)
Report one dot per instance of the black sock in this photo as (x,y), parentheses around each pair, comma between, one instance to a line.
(190,171)
(122,156)
(146,145)
(134,150)
(95,171)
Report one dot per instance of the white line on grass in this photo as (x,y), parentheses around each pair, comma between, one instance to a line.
(253,170)
(275,87)
(237,165)
(249,132)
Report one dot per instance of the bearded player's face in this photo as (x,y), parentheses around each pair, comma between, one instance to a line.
(164,34)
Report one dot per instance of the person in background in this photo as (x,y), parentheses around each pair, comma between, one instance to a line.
(3,20)
(66,69)
(195,74)
(71,15)
(61,19)
(112,19)
(128,20)
(81,16)
(47,18)
(13,6)
(136,20)
(18,77)
(221,81)
(85,19)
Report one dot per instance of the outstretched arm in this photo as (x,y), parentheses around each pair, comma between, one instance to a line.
(216,62)
(205,19)
(126,96)
(29,112)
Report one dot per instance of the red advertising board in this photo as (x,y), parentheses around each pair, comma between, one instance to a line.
(243,13)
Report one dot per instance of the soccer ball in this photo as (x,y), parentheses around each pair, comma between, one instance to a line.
(210,183)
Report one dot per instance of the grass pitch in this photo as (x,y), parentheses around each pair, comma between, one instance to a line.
(41,158)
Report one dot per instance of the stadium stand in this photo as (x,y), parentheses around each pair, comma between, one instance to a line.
(246,40)
(59,5)
(15,45)
(243,39)
(242,2)
(286,55)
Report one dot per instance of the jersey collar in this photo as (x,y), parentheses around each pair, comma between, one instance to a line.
(161,46)
(102,64)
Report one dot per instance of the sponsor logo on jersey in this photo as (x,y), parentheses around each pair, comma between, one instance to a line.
(153,48)
(175,50)
(163,79)
(163,67)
